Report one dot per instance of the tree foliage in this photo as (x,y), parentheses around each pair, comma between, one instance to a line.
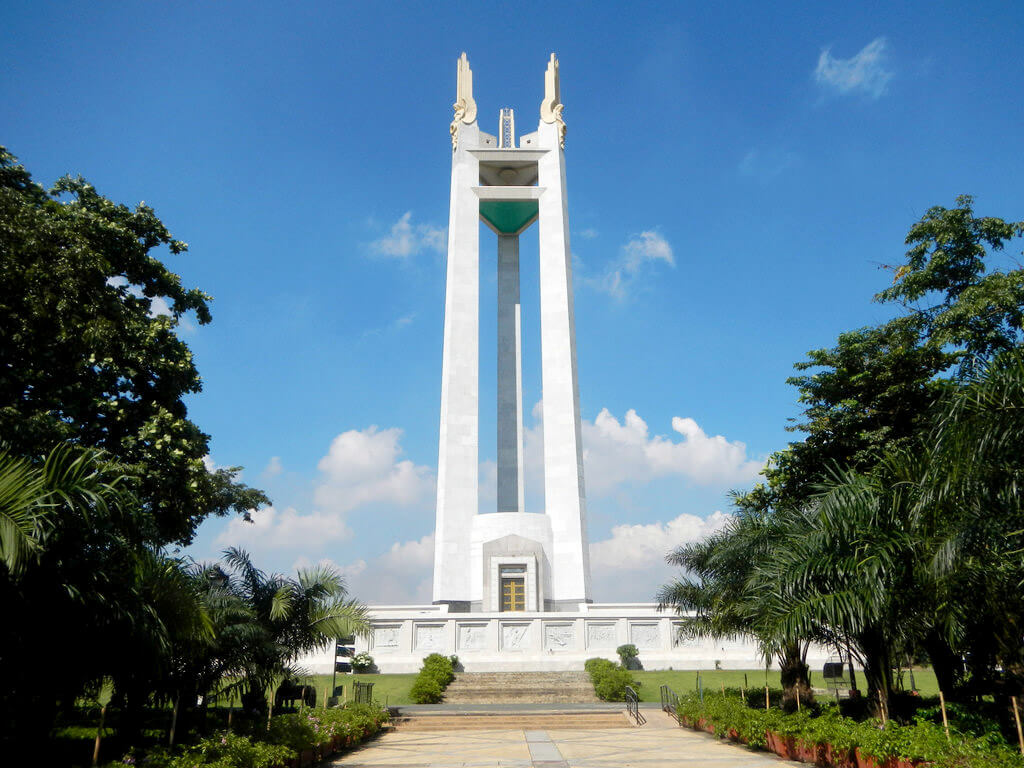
(892,529)
(88,349)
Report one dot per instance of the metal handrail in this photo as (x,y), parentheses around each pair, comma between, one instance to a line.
(633,706)
(670,702)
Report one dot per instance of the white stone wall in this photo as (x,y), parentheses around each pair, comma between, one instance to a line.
(495,642)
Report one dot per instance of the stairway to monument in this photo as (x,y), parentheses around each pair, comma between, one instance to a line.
(521,687)
(510,721)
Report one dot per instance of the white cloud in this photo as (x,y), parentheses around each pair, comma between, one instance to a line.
(645,247)
(158,306)
(642,250)
(588,234)
(402,575)
(631,564)
(362,467)
(407,239)
(274,467)
(616,453)
(288,529)
(866,72)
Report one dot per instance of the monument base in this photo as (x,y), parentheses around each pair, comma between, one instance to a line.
(522,641)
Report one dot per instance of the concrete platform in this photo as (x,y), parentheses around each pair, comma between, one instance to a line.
(659,744)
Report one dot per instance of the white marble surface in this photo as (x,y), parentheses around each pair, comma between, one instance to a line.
(493,642)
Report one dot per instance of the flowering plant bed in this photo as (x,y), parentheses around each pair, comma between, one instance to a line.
(830,740)
(292,741)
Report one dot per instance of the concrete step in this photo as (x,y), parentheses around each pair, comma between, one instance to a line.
(520,687)
(506,721)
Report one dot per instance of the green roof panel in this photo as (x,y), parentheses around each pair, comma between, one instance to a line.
(508,216)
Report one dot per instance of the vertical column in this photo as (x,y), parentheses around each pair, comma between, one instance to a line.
(457,462)
(510,386)
(564,495)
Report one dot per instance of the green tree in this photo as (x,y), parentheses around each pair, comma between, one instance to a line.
(88,350)
(871,393)
(724,592)
(293,616)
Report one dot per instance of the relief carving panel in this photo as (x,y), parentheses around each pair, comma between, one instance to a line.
(513,636)
(600,635)
(558,637)
(644,635)
(472,637)
(429,637)
(385,637)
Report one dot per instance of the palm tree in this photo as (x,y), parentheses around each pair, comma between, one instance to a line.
(293,616)
(724,593)
(972,499)
(79,479)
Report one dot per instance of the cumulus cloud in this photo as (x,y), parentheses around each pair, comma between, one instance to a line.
(289,529)
(402,575)
(865,72)
(635,258)
(274,467)
(362,467)
(630,565)
(620,452)
(406,239)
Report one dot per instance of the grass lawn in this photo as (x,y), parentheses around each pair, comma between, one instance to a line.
(682,681)
(387,689)
(394,689)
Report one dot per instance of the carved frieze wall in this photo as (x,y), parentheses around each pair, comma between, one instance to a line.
(472,637)
(429,637)
(600,635)
(513,636)
(385,638)
(559,637)
(644,635)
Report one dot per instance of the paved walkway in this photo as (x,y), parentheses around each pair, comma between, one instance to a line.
(660,743)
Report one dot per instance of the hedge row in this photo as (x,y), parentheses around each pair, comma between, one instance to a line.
(828,738)
(291,741)
(609,679)
(429,685)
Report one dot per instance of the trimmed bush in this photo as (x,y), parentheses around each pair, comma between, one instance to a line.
(629,656)
(426,690)
(435,675)
(609,679)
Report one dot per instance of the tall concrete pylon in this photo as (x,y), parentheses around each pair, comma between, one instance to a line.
(509,187)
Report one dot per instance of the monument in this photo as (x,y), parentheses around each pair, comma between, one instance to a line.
(511,588)
(511,559)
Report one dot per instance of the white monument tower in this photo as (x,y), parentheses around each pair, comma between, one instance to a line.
(512,588)
(511,559)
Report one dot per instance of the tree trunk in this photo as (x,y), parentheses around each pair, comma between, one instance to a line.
(947,665)
(877,668)
(794,675)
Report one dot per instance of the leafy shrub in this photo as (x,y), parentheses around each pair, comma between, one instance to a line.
(426,690)
(362,662)
(440,667)
(229,750)
(435,674)
(594,665)
(303,730)
(609,679)
(922,741)
(288,735)
(629,656)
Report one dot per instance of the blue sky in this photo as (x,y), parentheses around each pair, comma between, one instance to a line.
(736,176)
